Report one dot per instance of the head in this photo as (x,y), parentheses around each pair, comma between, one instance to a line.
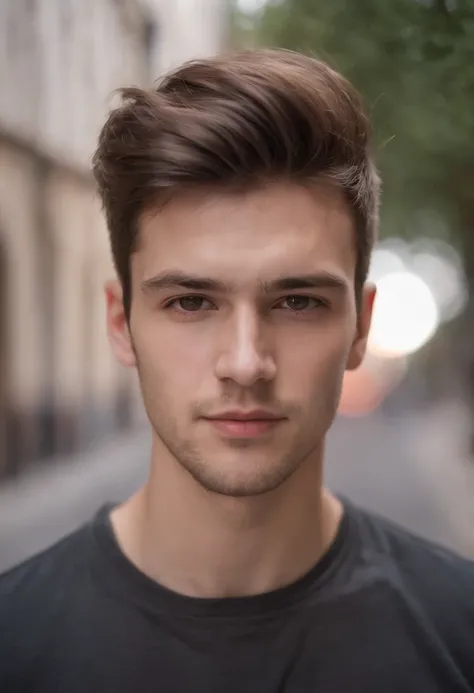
(242,206)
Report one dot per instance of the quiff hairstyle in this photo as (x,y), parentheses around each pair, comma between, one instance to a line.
(234,122)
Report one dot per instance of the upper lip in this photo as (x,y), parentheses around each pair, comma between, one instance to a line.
(238,415)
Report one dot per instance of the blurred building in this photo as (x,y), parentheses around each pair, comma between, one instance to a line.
(59,62)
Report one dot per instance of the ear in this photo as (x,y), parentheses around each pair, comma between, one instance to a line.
(117,327)
(359,345)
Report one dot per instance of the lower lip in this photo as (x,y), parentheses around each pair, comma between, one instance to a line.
(244,429)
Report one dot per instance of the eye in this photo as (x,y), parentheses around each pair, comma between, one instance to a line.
(298,304)
(190,304)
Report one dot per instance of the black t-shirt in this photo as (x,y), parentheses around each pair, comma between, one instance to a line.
(382,612)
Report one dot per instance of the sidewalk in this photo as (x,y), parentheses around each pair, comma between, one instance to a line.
(438,439)
(46,505)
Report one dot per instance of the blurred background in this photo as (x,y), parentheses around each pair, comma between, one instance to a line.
(72,430)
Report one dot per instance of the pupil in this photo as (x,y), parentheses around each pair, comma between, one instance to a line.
(191,303)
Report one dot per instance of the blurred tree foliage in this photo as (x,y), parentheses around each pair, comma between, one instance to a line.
(413,62)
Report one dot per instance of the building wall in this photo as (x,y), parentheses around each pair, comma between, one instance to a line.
(60,60)
(189,29)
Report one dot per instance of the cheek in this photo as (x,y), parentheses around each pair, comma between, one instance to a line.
(316,351)
(171,354)
(312,369)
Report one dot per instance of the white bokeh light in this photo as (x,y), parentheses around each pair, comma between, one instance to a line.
(405,315)
(384,261)
(250,6)
(446,282)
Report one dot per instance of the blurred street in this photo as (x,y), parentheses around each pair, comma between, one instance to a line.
(410,469)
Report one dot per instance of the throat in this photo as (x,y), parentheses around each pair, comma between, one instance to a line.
(231,553)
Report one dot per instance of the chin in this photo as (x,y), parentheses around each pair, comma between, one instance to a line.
(241,485)
(239,472)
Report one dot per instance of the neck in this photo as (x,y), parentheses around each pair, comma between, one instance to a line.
(203,544)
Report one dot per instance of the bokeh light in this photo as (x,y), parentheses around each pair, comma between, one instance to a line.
(405,315)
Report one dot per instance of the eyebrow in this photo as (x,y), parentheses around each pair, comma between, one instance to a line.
(172,279)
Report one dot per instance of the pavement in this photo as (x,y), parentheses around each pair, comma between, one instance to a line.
(42,507)
(439,445)
(410,469)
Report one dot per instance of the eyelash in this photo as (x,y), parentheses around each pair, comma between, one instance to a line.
(172,304)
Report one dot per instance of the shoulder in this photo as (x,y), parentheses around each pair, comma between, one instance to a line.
(38,572)
(418,561)
(32,595)
(435,585)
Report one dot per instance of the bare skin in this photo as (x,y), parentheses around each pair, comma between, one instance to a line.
(243,322)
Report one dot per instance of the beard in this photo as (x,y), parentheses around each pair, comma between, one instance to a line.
(235,468)
(230,467)
(227,473)
(216,477)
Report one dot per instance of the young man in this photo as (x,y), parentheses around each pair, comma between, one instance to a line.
(241,200)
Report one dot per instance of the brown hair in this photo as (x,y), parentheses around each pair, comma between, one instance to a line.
(235,120)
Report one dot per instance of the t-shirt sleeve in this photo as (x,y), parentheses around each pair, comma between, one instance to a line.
(31,596)
(19,622)
(438,587)
(444,585)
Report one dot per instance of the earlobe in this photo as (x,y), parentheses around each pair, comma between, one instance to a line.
(117,326)
(357,354)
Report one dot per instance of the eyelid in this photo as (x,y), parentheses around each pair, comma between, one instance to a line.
(319,301)
(170,302)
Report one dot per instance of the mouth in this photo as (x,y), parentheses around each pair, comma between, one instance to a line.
(237,424)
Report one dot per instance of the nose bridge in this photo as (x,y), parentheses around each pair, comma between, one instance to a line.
(247,334)
(245,357)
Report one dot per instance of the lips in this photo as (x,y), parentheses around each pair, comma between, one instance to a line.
(254,415)
(245,424)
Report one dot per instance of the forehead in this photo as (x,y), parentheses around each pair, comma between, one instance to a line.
(245,237)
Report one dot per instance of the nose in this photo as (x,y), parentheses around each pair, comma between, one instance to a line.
(245,358)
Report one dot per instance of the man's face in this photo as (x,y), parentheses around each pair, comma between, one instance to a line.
(243,322)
